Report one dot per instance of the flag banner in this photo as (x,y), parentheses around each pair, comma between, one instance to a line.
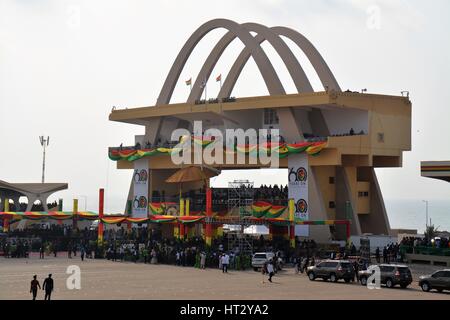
(282,150)
(298,188)
(140,182)
(189,82)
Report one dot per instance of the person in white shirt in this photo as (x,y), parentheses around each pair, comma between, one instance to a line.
(225,261)
(202,260)
(270,270)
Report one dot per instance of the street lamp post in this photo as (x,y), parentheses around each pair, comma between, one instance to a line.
(426,211)
(44,143)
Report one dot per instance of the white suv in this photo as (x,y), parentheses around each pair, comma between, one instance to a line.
(259,258)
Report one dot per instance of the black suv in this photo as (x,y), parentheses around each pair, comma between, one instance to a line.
(440,280)
(391,275)
(333,270)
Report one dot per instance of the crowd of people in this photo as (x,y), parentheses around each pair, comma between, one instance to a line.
(438,242)
(22,206)
(273,194)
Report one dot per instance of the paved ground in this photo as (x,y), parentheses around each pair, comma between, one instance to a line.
(102,279)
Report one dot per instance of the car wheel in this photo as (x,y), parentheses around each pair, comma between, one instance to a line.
(347,280)
(403,286)
(426,287)
(311,276)
(333,277)
(439,290)
(389,283)
(363,281)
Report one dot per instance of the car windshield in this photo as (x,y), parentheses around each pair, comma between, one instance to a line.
(260,256)
(403,270)
(346,265)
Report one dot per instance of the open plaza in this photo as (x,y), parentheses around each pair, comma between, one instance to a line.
(318,228)
(106,280)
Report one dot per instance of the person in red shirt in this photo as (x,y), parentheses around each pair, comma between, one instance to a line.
(34,287)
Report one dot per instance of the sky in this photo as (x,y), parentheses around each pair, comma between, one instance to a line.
(64,64)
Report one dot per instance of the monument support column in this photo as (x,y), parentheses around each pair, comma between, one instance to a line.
(100,215)
(291,223)
(181,232)
(186,213)
(75,214)
(208,233)
(5,219)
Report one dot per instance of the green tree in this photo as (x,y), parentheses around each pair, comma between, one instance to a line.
(430,232)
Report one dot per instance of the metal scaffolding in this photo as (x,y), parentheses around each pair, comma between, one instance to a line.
(240,197)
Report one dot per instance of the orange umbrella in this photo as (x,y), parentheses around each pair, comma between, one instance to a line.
(192,173)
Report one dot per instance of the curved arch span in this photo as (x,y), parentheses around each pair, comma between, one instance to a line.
(264,33)
(320,66)
(270,77)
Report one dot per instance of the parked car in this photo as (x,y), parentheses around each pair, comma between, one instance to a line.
(259,258)
(390,275)
(333,270)
(440,280)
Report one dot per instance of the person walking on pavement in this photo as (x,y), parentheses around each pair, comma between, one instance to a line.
(377,255)
(48,287)
(82,252)
(34,287)
(270,270)
(225,262)
(41,251)
(202,260)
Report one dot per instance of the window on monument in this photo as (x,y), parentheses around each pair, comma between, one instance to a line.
(331,205)
(331,180)
(270,117)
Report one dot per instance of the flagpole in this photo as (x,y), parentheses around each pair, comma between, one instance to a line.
(205,90)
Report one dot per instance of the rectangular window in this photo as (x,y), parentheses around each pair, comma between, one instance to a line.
(380,136)
(331,180)
(270,117)
(331,205)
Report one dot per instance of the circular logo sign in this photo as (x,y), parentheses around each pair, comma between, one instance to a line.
(301,206)
(140,203)
(140,176)
(302,174)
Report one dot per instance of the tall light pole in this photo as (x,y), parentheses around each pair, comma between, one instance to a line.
(44,143)
(426,210)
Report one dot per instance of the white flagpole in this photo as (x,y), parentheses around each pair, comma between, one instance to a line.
(205,89)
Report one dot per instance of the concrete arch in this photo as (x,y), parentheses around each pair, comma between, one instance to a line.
(270,77)
(323,71)
(264,33)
